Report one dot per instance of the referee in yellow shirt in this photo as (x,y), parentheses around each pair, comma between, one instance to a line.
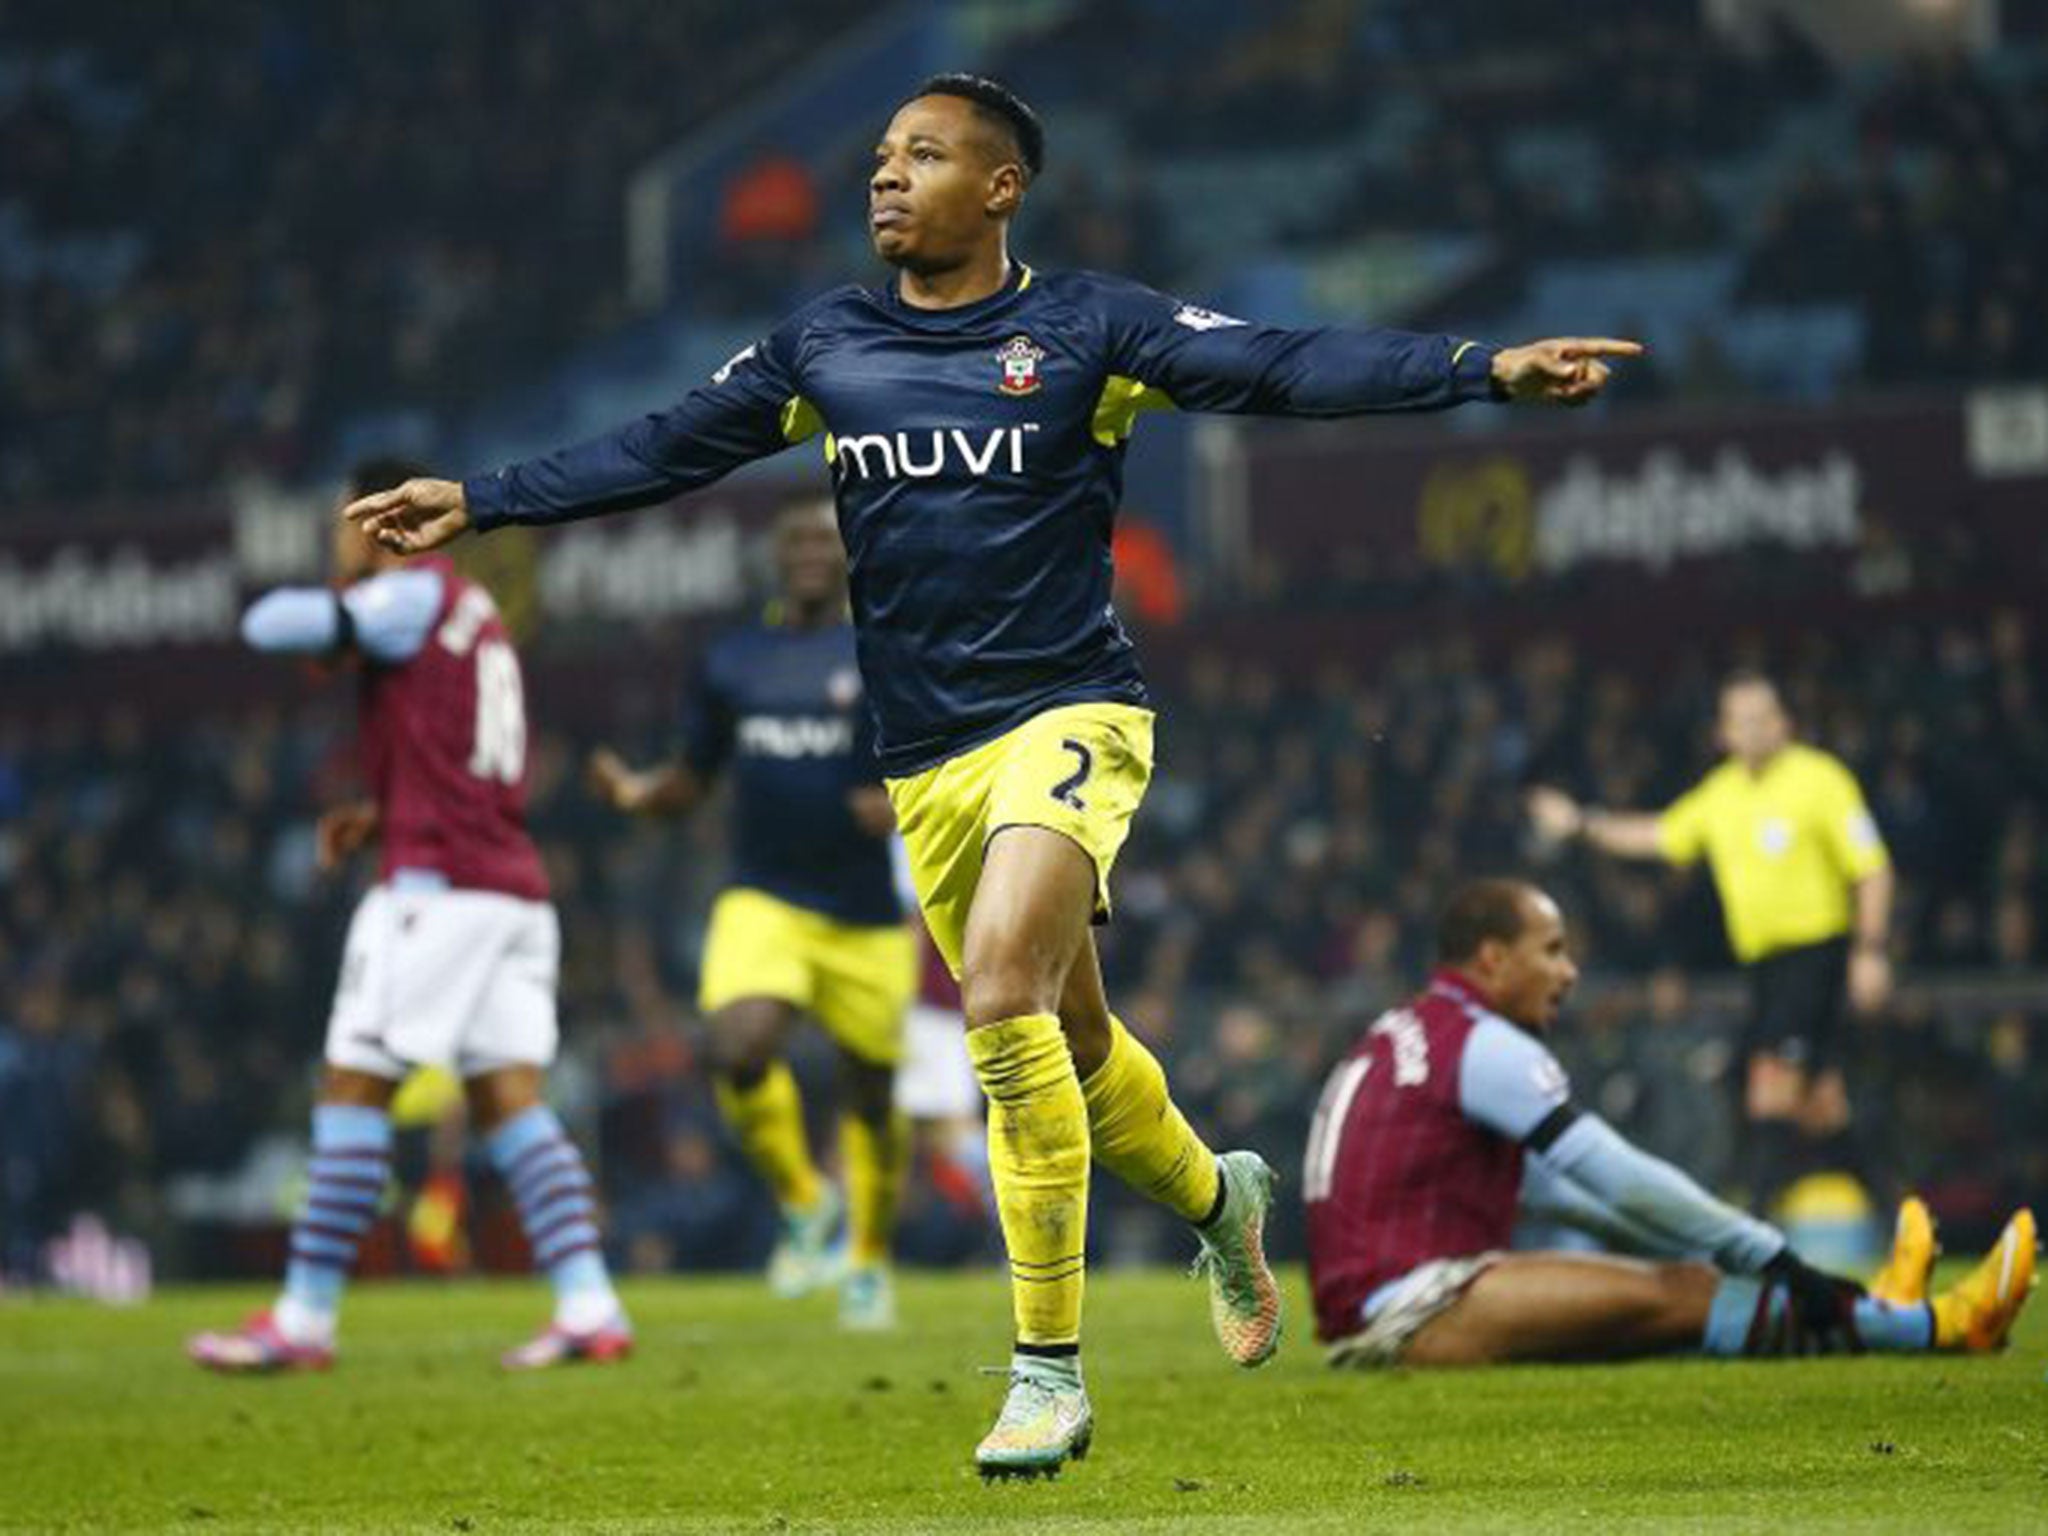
(1806,887)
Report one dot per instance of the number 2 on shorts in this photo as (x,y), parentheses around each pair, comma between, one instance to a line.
(1068,790)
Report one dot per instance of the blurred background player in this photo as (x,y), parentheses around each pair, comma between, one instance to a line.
(935,1085)
(1416,1157)
(1806,889)
(977,491)
(810,921)
(451,957)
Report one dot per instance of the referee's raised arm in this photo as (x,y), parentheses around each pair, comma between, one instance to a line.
(1558,818)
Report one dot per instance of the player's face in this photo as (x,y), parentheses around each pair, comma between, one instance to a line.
(941,186)
(1754,726)
(1534,973)
(809,557)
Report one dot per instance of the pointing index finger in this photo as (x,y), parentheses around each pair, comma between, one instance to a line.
(1600,346)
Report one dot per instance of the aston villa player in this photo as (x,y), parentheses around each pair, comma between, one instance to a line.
(1416,1157)
(451,957)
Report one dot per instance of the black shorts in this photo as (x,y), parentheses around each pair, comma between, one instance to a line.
(1796,1000)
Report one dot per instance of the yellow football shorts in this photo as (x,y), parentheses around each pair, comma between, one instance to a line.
(1079,770)
(854,979)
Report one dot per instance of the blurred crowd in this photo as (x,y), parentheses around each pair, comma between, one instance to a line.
(230,231)
(1639,130)
(1929,232)
(227,228)
(168,950)
(1303,828)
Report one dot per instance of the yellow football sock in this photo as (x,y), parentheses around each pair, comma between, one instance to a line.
(1038,1159)
(768,1119)
(1140,1136)
(875,1163)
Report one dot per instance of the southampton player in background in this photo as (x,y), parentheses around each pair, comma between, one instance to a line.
(810,921)
(936,1087)
(1806,888)
(1417,1152)
(974,414)
(451,956)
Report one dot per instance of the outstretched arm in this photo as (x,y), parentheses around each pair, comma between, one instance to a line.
(386,618)
(747,410)
(1550,1197)
(1510,1083)
(668,789)
(1658,1198)
(1180,355)
(1628,834)
(678,786)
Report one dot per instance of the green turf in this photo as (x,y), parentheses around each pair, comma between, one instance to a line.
(744,1414)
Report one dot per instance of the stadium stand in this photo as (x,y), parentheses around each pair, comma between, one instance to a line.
(158,338)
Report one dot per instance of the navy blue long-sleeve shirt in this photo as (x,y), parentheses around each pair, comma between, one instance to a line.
(782,709)
(977,460)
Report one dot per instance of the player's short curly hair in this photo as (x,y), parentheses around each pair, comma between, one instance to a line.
(1005,107)
(1493,908)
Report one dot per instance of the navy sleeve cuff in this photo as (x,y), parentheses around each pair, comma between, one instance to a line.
(484,496)
(1472,370)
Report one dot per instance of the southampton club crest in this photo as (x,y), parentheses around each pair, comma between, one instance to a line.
(1020,358)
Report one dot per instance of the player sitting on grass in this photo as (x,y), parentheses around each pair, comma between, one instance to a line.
(1415,1160)
(451,956)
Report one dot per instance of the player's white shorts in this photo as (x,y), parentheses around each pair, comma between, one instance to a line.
(447,978)
(935,1080)
(1400,1309)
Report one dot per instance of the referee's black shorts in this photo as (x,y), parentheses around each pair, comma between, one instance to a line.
(1796,1002)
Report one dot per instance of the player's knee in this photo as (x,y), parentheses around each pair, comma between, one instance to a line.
(870,1090)
(742,1059)
(745,1041)
(1460,1337)
(495,1097)
(1006,978)
(991,995)
(1684,1292)
(345,1085)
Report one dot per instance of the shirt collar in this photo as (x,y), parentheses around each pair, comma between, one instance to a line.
(1019,279)
(1448,983)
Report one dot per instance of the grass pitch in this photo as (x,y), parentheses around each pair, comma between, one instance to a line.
(744,1414)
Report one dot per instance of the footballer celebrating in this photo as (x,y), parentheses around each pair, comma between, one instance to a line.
(451,957)
(1416,1158)
(974,414)
(810,920)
